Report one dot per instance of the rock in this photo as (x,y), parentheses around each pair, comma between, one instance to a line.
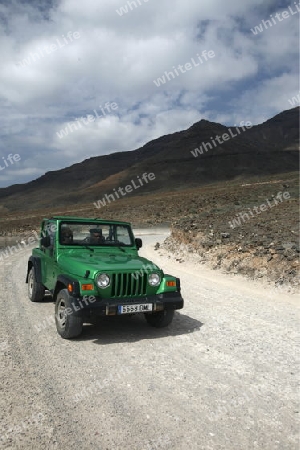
(225,235)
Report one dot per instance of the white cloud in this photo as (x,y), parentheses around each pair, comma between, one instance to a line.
(270,94)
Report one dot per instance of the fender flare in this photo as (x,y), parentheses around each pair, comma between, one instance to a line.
(65,280)
(35,262)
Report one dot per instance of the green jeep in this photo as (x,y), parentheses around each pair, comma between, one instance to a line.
(92,267)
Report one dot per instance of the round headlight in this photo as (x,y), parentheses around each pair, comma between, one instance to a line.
(102,280)
(154,279)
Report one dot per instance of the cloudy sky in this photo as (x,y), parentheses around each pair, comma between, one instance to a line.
(95,65)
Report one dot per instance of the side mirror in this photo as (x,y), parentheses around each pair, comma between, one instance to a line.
(45,241)
(138,243)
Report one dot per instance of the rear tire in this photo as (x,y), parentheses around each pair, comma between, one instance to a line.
(160,319)
(68,325)
(36,290)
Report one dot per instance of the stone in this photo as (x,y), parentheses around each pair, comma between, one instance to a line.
(225,235)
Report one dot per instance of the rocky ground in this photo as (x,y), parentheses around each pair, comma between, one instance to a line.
(265,244)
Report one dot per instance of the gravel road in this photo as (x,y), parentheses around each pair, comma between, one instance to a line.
(224,375)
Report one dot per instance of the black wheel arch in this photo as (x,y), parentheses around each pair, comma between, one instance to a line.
(63,281)
(35,262)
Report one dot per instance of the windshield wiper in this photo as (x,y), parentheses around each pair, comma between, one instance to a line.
(89,248)
(118,245)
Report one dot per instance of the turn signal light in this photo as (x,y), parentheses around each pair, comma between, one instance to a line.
(171,283)
(87,287)
(70,287)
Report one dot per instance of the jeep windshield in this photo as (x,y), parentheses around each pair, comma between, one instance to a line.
(88,234)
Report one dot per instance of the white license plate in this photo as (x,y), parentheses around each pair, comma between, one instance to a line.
(130,309)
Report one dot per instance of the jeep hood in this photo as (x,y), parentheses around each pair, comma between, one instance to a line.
(77,264)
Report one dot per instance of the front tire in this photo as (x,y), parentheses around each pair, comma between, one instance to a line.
(68,325)
(160,319)
(36,290)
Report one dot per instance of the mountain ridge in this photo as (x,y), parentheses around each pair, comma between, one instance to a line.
(267,148)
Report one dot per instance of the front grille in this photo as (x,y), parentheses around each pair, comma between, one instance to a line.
(129,284)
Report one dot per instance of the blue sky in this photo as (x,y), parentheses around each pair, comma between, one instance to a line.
(63,61)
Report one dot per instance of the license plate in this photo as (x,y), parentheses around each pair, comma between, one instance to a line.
(130,309)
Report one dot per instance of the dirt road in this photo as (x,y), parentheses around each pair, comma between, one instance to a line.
(223,376)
